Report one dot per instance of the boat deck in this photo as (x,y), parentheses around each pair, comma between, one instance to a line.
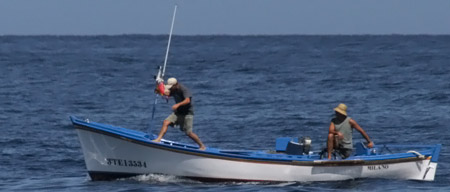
(380,152)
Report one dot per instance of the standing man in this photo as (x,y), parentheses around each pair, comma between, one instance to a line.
(341,129)
(183,111)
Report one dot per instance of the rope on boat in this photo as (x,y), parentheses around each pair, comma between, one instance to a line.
(416,153)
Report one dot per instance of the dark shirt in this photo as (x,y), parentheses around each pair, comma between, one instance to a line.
(335,120)
(179,95)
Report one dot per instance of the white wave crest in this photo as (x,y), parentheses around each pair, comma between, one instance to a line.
(160,178)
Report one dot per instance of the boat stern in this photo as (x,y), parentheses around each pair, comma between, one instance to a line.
(430,171)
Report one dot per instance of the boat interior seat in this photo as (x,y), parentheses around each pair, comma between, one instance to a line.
(361,149)
(281,143)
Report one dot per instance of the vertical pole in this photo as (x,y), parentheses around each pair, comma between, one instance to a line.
(163,71)
(170,38)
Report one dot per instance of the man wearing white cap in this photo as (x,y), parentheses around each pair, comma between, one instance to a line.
(341,129)
(183,111)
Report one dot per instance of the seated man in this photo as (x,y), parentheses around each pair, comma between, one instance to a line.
(341,129)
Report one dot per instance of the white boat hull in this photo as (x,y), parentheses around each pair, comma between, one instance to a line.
(114,155)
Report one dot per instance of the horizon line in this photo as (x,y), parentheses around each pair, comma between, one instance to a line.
(194,35)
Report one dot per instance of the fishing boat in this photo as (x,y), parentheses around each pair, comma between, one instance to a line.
(112,152)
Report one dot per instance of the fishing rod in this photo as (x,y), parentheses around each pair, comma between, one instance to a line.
(159,78)
(170,38)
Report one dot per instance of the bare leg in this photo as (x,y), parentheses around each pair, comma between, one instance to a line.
(194,137)
(163,131)
(330,144)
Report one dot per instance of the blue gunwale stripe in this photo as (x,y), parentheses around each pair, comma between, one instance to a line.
(138,138)
(436,152)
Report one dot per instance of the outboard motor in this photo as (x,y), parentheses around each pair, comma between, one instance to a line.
(302,148)
(306,141)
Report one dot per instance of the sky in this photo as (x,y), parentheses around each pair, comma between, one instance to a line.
(224,17)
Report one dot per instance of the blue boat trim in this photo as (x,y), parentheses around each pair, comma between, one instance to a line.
(257,156)
(436,152)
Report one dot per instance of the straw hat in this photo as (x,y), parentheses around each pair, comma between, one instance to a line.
(342,109)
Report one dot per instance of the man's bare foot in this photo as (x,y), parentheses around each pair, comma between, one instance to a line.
(202,148)
(156,140)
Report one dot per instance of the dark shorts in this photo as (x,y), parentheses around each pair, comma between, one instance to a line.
(345,152)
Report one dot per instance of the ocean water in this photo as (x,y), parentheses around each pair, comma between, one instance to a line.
(248,90)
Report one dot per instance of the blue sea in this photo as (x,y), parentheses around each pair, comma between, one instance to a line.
(248,91)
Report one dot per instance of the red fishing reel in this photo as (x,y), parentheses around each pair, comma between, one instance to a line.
(161,87)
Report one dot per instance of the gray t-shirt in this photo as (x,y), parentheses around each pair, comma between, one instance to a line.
(346,129)
(179,95)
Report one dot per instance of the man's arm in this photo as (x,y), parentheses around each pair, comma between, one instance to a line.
(363,133)
(184,102)
(333,131)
